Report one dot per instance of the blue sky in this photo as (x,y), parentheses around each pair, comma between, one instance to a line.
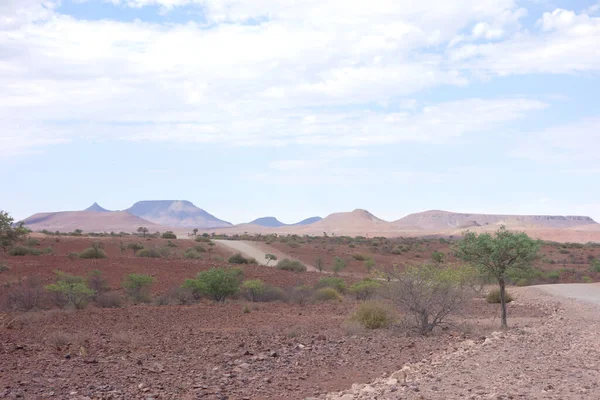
(301,108)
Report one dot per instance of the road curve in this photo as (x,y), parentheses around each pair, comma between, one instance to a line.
(256,250)
(586,292)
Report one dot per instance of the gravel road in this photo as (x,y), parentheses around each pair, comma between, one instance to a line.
(554,357)
(256,250)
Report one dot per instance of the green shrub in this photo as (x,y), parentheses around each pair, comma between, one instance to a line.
(359,257)
(338,265)
(191,254)
(332,282)
(94,252)
(199,248)
(587,279)
(564,251)
(364,289)
(493,297)
(216,283)
(138,286)
(73,288)
(327,294)
(135,247)
(595,265)
(291,265)
(149,253)
(73,255)
(171,244)
(4,268)
(438,256)
(22,251)
(253,289)
(168,235)
(373,315)
(553,275)
(238,259)
(32,242)
(47,250)
(202,239)
(523,282)
(273,293)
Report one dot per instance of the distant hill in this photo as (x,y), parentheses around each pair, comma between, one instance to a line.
(442,220)
(176,213)
(357,222)
(96,208)
(87,221)
(272,222)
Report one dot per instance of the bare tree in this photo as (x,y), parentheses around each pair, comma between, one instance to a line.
(143,230)
(429,294)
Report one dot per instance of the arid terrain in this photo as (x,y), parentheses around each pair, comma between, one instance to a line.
(267,350)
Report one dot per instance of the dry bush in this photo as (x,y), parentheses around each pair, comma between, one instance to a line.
(327,294)
(373,315)
(493,297)
(110,300)
(60,340)
(301,294)
(25,295)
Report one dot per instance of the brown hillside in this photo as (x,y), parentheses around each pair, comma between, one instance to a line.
(88,221)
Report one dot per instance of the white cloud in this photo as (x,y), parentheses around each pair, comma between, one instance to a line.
(309,74)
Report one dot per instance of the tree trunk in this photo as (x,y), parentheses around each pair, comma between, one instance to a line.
(503,302)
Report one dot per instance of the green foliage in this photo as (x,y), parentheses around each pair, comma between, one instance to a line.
(291,265)
(338,265)
(32,242)
(9,234)
(359,257)
(499,255)
(135,247)
(74,289)
(191,254)
(94,252)
(327,294)
(587,279)
(365,289)
(149,253)
(168,235)
(23,251)
(199,248)
(171,244)
(253,289)
(332,282)
(493,297)
(595,265)
(553,276)
(438,256)
(270,257)
(216,283)
(138,286)
(373,315)
(239,259)
(4,267)
(320,265)
(564,251)
(370,264)
(203,239)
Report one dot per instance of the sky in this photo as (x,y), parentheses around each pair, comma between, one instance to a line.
(300,108)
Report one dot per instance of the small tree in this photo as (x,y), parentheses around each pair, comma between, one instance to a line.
(135,247)
(93,252)
(9,234)
(369,265)
(168,235)
(216,283)
(499,255)
(270,257)
(143,230)
(137,286)
(438,256)
(253,289)
(338,265)
(195,231)
(320,265)
(73,288)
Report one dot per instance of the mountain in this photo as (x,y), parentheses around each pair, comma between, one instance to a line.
(96,208)
(175,213)
(308,221)
(268,222)
(357,222)
(442,220)
(272,222)
(87,221)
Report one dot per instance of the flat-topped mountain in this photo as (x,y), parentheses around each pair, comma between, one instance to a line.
(441,220)
(272,222)
(176,213)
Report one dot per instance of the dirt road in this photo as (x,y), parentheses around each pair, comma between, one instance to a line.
(256,250)
(554,357)
(586,292)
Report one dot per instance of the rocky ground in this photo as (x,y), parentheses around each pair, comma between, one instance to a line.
(558,358)
(206,351)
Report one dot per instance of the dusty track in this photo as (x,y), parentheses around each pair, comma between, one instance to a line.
(557,357)
(256,250)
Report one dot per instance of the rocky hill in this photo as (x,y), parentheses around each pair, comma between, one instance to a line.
(87,221)
(176,213)
(96,208)
(443,220)
(272,222)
